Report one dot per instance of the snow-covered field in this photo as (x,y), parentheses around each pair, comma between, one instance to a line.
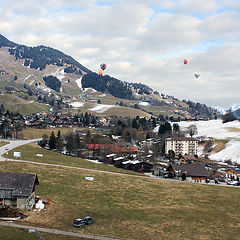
(144,103)
(77,104)
(214,128)
(101,108)
(219,130)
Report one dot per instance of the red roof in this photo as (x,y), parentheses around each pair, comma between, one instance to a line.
(113,147)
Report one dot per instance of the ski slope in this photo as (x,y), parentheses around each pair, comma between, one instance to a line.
(219,130)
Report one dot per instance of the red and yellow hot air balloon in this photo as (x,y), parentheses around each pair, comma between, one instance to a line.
(100,72)
(185,61)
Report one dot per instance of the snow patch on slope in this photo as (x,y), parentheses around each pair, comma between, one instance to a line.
(77,104)
(59,74)
(79,82)
(101,108)
(89,89)
(144,103)
(231,152)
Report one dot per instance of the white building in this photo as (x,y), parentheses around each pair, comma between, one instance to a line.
(183,145)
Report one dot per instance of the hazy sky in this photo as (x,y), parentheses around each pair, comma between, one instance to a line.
(140,41)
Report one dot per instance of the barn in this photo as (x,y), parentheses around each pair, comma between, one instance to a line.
(18,189)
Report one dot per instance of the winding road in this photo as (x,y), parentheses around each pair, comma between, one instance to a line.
(13,144)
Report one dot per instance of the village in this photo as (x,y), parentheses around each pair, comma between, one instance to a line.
(153,148)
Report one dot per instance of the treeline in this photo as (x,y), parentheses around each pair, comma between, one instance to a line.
(141,88)
(107,84)
(201,110)
(231,116)
(4,42)
(52,82)
(72,69)
(40,56)
(11,124)
(72,143)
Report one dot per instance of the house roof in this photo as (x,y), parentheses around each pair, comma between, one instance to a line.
(113,147)
(189,157)
(236,170)
(181,139)
(21,184)
(193,170)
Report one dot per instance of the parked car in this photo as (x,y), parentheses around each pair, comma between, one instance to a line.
(78,222)
(237,184)
(88,220)
(217,181)
(232,182)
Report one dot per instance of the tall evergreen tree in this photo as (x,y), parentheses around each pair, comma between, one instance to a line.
(52,141)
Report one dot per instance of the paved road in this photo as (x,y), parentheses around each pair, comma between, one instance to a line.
(54,231)
(13,144)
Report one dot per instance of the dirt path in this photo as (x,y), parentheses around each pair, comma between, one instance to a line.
(54,231)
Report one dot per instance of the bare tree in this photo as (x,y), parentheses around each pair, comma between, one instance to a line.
(192,130)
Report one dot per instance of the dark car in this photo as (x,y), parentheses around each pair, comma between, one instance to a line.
(78,222)
(236,184)
(88,220)
(217,181)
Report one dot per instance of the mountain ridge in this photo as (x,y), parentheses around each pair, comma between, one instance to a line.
(31,66)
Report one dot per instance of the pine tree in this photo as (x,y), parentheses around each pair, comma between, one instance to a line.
(59,142)
(52,141)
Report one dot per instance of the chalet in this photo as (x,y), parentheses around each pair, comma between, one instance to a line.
(18,189)
(232,173)
(187,158)
(193,172)
(137,166)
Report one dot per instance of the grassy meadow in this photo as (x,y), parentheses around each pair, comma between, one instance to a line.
(9,233)
(127,207)
(32,133)
(29,151)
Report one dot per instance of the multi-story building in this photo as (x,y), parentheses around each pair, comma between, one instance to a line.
(181,145)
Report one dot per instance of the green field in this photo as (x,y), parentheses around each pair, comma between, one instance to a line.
(32,133)
(117,110)
(128,207)
(28,152)
(14,103)
(9,233)
(28,108)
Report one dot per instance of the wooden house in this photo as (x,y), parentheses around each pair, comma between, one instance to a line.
(193,172)
(233,173)
(18,189)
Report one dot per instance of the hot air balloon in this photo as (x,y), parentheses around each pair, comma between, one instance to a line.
(197,75)
(100,72)
(185,61)
(103,66)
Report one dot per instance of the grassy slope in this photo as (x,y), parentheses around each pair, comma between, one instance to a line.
(15,104)
(116,111)
(31,133)
(8,233)
(29,153)
(28,108)
(126,207)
